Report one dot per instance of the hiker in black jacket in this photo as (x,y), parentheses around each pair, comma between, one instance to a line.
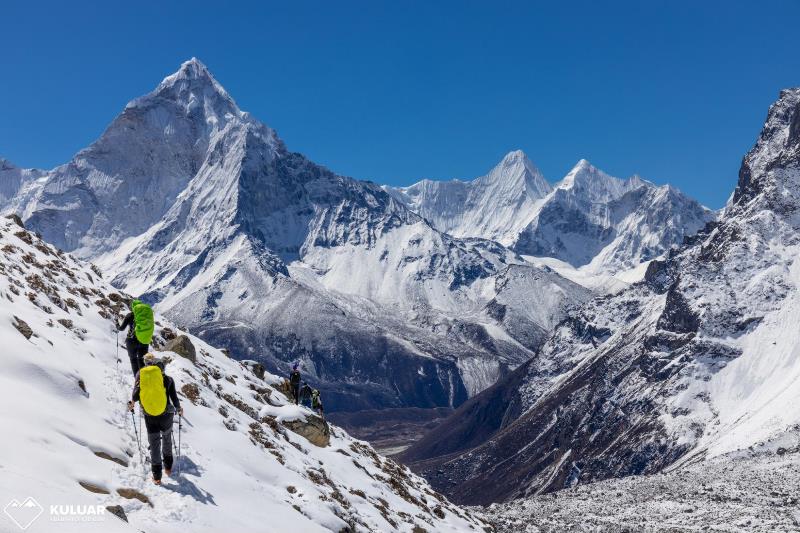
(159,427)
(294,383)
(136,349)
(305,395)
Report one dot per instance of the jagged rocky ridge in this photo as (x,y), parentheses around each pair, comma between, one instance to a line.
(63,392)
(589,219)
(200,208)
(699,359)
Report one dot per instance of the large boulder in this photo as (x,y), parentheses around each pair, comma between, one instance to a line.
(315,429)
(15,218)
(182,346)
(255,367)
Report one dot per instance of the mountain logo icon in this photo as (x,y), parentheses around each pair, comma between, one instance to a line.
(25,513)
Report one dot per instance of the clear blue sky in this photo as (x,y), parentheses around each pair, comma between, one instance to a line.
(396,91)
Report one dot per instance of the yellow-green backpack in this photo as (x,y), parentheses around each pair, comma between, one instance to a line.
(152,393)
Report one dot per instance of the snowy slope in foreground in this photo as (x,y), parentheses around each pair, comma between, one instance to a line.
(62,397)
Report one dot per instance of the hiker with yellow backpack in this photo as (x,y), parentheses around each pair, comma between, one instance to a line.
(156,393)
(140,324)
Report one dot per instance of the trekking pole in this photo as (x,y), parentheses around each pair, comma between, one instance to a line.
(138,441)
(178,460)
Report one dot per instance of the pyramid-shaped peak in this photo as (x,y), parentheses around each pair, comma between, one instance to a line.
(516,170)
(193,71)
(515,155)
(584,171)
(192,86)
(516,158)
(194,68)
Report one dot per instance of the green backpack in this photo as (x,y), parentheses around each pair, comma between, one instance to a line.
(143,320)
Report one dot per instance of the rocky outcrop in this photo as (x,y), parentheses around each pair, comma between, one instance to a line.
(15,218)
(23,327)
(255,367)
(314,428)
(117,511)
(182,346)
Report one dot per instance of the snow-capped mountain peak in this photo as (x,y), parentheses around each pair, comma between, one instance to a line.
(516,172)
(494,206)
(195,90)
(595,185)
(766,168)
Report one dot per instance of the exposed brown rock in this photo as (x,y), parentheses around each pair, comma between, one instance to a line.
(91,487)
(117,511)
(133,494)
(104,455)
(16,219)
(23,327)
(191,391)
(314,429)
(182,346)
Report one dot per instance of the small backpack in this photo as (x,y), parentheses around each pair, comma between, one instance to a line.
(152,393)
(143,321)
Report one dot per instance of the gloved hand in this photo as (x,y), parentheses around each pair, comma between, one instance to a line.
(131,405)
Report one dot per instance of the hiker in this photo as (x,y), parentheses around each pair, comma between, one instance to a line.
(316,403)
(294,383)
(305,395)
(140,324)
(155,390)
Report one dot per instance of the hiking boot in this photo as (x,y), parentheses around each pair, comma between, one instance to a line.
(157,481)
(168,472)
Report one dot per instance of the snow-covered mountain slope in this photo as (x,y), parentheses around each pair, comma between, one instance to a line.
(609,225)
(495,206)
(70,442)
(589,219)
(699,359)
(200,208)
(17,184)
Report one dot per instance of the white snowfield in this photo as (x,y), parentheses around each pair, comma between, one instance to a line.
(69,442)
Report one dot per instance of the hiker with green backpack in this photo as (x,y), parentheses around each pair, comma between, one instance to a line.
(156,393)
(140,324)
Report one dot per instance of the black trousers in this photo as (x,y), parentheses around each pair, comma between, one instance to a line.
(159,435)
(136,353)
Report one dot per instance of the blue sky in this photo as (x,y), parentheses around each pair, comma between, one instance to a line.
(397,91)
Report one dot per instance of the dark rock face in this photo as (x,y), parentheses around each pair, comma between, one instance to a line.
(117,511)
(315,429)
(23,327)
(678,316)
(255,367)
(16,219)
(472,424)
(182,346)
